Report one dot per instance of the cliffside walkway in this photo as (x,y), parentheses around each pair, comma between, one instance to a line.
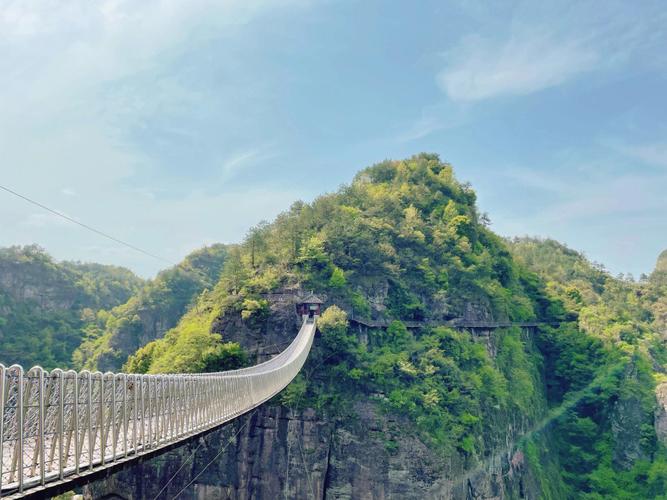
(455,323)
(59,427)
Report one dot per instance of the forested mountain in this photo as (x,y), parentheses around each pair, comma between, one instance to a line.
(416,409)
(403,241)
(44,304)
(563,412)
(112,335)
(606,438)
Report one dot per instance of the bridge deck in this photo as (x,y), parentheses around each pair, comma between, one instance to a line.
(56,426)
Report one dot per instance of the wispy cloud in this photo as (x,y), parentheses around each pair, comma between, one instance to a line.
(652,154)
(580,193)
(537,179)
(44,220)
(236,162)
(548,45)
(616,218)
(527,62)
(423,127)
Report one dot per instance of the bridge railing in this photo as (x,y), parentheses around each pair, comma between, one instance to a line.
(58,424)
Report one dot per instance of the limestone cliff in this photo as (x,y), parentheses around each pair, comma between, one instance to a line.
(661,413)
(278,452)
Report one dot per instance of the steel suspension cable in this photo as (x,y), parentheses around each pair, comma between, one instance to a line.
(83,225)
(222,450)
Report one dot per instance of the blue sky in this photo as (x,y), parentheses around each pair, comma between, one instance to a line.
(174,124)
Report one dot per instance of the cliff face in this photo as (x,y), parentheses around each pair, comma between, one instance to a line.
(29,283)
(28,275)
(276,453)
(627,418)
(661,413)
(139,325)
(279,452)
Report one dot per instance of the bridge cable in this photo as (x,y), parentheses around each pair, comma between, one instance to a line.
(287,463)
(99,232)
(202,440)
(179,469)
(303,459)
(222,450)
(306,469)
(85,226)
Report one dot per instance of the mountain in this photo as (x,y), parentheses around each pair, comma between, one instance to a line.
(566,273)
(44,304)
(551,412)
(415,408)
(403,241)
(614,435)
(114,334)
(393,401)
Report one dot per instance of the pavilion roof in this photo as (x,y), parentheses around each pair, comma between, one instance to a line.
(311,298)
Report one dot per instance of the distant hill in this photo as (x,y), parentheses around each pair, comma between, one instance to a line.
(568,274)
(660,271)
(44,303)
(116,333)
(661,264)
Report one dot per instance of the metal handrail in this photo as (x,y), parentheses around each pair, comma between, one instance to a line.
(58,424)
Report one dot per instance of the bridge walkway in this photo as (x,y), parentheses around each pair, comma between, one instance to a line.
(59,426)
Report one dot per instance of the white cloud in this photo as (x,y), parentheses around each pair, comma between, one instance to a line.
(612,213)
(537,179)
(44,220)
(581,193)
(77,79)
(532,46)
(525,63)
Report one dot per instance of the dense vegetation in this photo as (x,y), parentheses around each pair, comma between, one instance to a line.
(404,242)
(601,373)
(111,335)
(44,304)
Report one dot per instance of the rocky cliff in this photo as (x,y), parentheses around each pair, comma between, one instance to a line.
(282,452)
(661,413)
(275,453)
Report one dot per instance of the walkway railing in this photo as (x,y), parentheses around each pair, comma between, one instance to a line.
(60,424)
(459,323)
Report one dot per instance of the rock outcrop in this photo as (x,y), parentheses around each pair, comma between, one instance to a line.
(275,452)
(661,413)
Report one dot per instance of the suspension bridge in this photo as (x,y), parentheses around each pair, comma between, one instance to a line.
(60,427)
